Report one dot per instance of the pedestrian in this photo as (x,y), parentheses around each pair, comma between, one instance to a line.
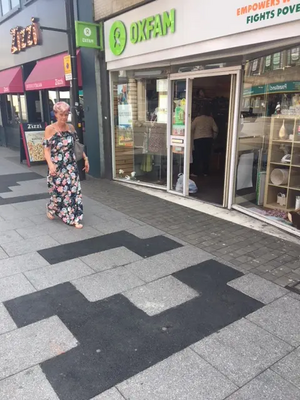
(204,131)
(63,177)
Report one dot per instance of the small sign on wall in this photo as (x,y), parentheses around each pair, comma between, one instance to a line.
(68,67)
(31,149)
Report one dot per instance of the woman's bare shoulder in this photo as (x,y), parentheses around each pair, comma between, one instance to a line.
(72,129)
(49,131)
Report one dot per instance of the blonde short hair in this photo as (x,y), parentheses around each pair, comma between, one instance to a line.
(61,107)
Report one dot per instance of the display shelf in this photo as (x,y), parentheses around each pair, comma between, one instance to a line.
(278,148)
(279,163)
(276,206)
(279,186)
(283,141)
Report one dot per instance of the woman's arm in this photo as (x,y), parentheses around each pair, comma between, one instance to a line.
(47,150)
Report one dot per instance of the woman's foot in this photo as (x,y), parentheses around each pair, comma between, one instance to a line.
(49,216)
(78,226)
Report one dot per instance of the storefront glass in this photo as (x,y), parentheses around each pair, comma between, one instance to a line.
(268,160)
(140,110)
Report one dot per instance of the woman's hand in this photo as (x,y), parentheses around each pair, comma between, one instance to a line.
(86,165)
(52,169)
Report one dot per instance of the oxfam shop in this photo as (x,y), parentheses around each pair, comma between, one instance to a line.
(205,102)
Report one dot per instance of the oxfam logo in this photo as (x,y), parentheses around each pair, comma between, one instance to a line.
(117,38)
(87,32)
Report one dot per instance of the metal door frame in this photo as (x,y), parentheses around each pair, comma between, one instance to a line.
(234,107)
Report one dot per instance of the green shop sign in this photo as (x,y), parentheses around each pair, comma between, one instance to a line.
(281,87)
(146,29)
(89,35)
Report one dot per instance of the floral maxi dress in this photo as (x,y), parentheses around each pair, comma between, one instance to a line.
(64,187)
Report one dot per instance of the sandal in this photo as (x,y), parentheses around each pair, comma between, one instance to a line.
(78,226)
(49,216)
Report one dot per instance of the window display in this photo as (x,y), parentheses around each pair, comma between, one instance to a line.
(268,162)
(140,126)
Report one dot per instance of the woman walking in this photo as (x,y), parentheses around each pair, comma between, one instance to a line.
(63,178)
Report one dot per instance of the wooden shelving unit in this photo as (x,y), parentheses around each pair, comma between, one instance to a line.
(277,149)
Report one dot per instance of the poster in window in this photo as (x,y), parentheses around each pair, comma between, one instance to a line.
(32,142)
(162,111)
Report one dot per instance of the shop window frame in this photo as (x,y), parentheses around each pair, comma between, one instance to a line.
(9,104)
(13,10)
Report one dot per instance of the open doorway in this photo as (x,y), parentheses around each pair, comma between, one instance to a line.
(209,134)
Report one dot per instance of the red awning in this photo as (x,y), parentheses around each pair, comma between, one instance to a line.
(11,81)
(49,73)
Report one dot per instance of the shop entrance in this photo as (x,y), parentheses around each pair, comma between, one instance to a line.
(209,133)
(202,137)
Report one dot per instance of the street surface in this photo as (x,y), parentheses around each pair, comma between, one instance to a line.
(150,301)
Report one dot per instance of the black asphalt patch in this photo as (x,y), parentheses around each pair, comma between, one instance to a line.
(117,340)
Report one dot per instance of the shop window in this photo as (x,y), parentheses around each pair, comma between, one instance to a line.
(268,159)
(140,105)
(23,108)
(16,112)
(8,5)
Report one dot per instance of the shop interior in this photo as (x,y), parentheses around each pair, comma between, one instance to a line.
(268,164)
(211,94)
(140,119)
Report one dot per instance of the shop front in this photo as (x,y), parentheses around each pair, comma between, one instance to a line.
(211,113)
(32,73)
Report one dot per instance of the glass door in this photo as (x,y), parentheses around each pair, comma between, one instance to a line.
(179,144)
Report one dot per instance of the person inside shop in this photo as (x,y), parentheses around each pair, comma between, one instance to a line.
(204,131)
(52,114)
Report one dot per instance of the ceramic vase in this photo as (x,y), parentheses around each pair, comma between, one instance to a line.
(282,132)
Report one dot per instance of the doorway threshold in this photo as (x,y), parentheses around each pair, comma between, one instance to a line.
(238,217)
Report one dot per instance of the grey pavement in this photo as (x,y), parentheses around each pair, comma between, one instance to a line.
(45,310)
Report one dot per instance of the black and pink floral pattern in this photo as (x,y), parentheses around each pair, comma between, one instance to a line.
(64,188)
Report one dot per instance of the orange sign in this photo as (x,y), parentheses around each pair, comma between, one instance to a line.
(68,68)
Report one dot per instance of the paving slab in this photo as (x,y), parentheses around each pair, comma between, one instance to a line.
(160,295)
(288,368)
(281,318)
(25,347)
(145,231)
(52,275)
(258,288)
(116,225)
(6,322)
(3,254)
(74,235)
(18,264)
(110,258)
(14,214)
(107,283)
(17,223)
(25,205)
(14,286)
(29,245)
(183,376)
(51,227)
(168,263)
(9,236)
(111,394)
(241,351)
(31,384)
(267,386)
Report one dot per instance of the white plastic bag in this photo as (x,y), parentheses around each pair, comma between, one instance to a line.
(179,185)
